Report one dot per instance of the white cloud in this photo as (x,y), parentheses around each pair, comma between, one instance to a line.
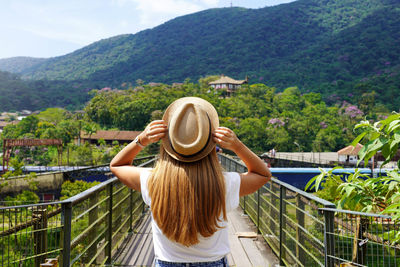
(209,3)
(153,12)
(70,21)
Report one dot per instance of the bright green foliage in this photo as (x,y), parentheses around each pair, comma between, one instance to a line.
(360,192)
(52,115)
(353,191)
(53,123)
(72,188)
(25,198)
(262,118)
(16,169)
(383,136)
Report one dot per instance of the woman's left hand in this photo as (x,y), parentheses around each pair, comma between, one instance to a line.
(153,132)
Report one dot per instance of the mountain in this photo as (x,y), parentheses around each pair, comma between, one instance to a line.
(17,94)
(336,47)
(19,64)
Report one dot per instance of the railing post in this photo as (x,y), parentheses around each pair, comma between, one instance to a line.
(258,210)
(130,210)
(273,205)
(282,224)
(118,209)
(244,204)
(300,253)
(329,241)
(66,220)
(40,235)
(93,215)
(108,248)
(360,251)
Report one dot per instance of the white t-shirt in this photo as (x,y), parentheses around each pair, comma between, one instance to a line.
(211,248)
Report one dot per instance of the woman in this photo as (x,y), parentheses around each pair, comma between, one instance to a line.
(187,191)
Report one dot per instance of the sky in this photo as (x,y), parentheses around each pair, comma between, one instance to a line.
(49,28)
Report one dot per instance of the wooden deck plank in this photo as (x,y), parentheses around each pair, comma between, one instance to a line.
(256,249)
(139,246)
(238,253)
(139,251)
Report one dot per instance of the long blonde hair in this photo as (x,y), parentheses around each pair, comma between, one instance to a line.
(187,199)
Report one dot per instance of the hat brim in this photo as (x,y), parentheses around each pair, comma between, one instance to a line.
(214,124)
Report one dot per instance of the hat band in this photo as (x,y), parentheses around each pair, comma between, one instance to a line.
(198,152)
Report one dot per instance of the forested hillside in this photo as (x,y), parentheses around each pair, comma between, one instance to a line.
(345,49)
(262,117)
(19,64)
(17,94)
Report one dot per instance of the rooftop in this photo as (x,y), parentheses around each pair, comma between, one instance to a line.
(111,135)
(226,79)
(350,150)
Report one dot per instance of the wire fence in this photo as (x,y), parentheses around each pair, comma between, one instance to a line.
(362,239)
(29,234)
(84,230)
(304,230)
(89,228)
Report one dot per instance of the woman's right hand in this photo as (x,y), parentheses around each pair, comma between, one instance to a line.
(258,173)
(226,138)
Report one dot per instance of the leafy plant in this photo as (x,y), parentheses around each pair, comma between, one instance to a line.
(360,192)
(72,188)
(353,191)
(25,198)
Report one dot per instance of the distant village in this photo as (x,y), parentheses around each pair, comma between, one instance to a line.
(7,118)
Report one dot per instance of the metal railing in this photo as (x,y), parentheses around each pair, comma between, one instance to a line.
(84,230)
(29,234)
(309,157)
(361,239)
(304,230)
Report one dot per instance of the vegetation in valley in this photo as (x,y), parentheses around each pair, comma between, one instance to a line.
(262,117)
(360,192)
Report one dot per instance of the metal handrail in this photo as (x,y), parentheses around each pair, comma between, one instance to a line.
(105,211)
(358,213)
(305,230)
(113,202)
(283,227)
(309,196)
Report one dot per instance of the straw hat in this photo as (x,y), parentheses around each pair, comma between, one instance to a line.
(191,121)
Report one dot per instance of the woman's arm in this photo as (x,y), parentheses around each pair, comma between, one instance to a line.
(121,164)
(258,173)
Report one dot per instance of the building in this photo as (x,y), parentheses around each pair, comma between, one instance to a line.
(109,136)
(349,154)
(228,84)
(5,123)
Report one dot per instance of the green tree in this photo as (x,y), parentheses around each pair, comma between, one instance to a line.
(90,128)
(72,188)
(358,192)
(252,132)
(328,139)
(53,115)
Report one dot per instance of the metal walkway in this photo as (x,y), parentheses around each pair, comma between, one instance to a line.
(247,248)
